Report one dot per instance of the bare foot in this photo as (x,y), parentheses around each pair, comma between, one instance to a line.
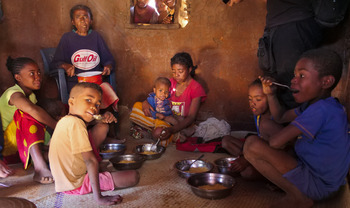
(4,170)
(292,202)
(43,176)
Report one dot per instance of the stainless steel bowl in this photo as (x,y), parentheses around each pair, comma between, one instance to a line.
(136,164)
(224,164)
(140,149)
(198,180)
(108,151)
(198,164)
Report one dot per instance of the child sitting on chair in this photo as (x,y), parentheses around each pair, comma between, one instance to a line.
(265,126)
(72,158)
(320,123)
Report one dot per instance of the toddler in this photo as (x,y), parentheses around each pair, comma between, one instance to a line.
(265,127)
(159,101)
(72,159)
(320,123)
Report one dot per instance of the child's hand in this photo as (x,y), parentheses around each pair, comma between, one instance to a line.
(110,200)
(160,116)
(166,133)
(268,87)
(108,117)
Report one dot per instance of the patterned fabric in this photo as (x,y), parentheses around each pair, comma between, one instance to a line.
(28,133)
(138,117)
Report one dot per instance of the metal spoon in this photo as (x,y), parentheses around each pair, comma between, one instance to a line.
(5,185)
(97,116)
(188,166)
(154,146)
(286,86)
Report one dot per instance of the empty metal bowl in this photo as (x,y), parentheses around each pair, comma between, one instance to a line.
(198,165)
(146,151)
(108,151)
(127,162)
(224,164)
(211,185)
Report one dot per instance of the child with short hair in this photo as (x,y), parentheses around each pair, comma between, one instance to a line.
(72,159)
(265,125)
(320,123)
(159,101)
(23,122)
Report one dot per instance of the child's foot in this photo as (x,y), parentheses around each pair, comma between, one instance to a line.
(43,176)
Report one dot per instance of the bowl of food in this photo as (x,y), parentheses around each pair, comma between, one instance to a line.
(149,153)
(92,76)
(108,151)
(127,162)
(211,185)
(224,164)
(199,166)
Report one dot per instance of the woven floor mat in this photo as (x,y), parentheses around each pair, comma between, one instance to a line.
(159,186)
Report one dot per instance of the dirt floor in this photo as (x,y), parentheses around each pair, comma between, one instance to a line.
(160,186)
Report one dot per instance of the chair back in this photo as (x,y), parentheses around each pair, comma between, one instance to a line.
(47,55)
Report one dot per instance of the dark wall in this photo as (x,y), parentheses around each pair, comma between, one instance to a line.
(222,41)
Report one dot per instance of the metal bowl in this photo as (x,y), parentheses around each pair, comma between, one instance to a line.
(224,164)
(138,161)
(108,151)
(198,180)
(198,164)
(140,149)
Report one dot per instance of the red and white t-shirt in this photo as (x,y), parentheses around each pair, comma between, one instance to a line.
(181,104)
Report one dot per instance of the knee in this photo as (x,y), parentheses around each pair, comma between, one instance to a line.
(225,141)
(251,146)
(134,178)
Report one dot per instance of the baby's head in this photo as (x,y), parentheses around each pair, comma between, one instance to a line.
(161,88)
(85,100)
(257,99)
(81,11)
(317,73)
(25,71)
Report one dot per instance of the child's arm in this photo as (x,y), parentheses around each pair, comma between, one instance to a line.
(279,114)
(92,168)
(288,133)
(24,104)
(190,118)
(160,116)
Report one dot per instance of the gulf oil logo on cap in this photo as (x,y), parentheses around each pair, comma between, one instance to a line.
(85,59)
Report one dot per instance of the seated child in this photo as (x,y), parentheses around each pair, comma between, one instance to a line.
(159,101)
(72,159)
(320,123)
(23,122)
(265,126)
